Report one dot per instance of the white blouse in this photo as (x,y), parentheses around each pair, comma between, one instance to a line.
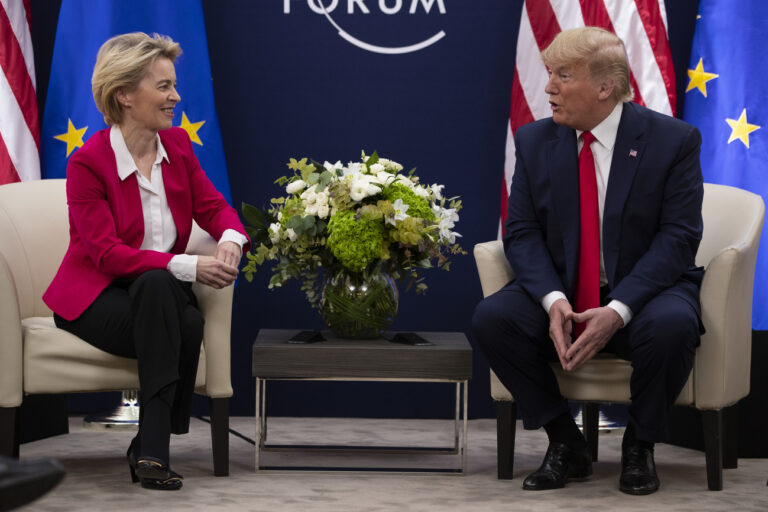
(159,229)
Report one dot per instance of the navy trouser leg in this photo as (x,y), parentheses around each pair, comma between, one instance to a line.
(513,332)
(660,342)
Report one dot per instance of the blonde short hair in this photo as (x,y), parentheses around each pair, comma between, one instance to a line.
(121,63)
(601,51)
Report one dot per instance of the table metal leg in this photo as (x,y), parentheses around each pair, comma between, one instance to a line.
(263,439)
(456,416)
(464,437)
(257,435)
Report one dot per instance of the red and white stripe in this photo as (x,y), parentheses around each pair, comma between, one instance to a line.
(19,123)
(641,24)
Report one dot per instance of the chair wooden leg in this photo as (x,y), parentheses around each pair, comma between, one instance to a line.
(731,437)
(590,417)
(9,431)
(713,448)
(506,416)
(220,435)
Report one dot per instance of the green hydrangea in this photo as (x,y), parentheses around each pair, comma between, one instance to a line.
(355,243)
(418,206)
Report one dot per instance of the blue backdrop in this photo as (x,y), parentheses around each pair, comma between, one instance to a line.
(287,84)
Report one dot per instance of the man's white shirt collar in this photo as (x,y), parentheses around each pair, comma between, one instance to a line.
(605,132)
(125,164)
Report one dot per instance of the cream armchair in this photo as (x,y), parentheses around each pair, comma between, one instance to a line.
(36,357)
(733,220)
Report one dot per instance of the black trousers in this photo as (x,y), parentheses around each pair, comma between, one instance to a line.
(154,319)
(660,341)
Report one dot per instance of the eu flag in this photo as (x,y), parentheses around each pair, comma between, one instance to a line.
(70,113)
(727,100)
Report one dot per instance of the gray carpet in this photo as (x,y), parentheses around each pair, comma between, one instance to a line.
(97,474)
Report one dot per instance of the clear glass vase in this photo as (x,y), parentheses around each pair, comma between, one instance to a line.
(358,306)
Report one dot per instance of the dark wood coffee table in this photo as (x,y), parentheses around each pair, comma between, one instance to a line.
(448,359)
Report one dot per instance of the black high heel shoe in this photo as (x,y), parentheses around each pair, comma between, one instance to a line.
(151,472)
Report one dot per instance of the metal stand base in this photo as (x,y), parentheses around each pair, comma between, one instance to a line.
(124,417)
(604,424)
(459,445)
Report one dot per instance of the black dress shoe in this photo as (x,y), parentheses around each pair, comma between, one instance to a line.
(561,464)
(151,472)
(638,471)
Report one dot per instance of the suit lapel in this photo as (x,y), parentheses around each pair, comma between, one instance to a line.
(563,167)
(627,153)
(126,204)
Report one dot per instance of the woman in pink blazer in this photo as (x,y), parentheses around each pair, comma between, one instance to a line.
(124,285)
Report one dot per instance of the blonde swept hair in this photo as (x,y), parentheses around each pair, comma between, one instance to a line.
(121,63)
(601,51)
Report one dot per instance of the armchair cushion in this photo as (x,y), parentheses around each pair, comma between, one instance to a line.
(59,362)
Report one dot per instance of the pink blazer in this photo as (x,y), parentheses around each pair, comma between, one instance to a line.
(106,224)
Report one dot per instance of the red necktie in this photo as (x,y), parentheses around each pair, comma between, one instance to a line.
(588,280)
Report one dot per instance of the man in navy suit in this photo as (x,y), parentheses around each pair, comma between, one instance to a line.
(647,227)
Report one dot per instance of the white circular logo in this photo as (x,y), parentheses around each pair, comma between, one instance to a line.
(319,7)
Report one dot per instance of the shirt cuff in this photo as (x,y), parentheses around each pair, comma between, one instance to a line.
(230,235)
(622,309)
(550,299)
(183,267)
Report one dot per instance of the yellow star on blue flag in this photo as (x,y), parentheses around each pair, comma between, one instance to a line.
(191,128)
(73,137)
(727,101)
(699,78)
(741,128)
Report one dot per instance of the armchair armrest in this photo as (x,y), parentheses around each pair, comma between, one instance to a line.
(492,266)
(723,360)
(216,307)
(11,348)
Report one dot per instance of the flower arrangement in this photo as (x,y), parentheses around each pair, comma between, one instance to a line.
(363,218)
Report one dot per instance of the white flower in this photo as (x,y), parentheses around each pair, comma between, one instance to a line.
(352,168)
(376,168)
(437,191)
(332,167)
(358,190)
(308,195)
(404,180)
(274,232)
(279,215)
(400,209)
(385,178)
(421,191)
(311,209)
(400,212)
(292,236)
(362,186)
(323,210)
(295,186)
(390,165)
(448,218)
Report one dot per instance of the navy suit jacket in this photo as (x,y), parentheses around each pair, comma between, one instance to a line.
(652,221)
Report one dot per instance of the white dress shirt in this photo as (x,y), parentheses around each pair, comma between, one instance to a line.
(602,150)
(159,228)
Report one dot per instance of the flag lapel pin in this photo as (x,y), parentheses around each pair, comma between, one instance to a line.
(633,153)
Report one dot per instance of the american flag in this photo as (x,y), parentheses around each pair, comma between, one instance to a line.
(641,24)
(19,123)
